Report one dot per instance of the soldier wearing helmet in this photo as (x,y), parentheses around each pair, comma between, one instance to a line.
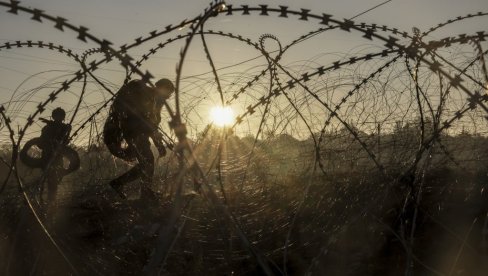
(54,136)
(134,118)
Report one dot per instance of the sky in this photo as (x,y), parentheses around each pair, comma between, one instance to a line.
(121,21)
(111,18)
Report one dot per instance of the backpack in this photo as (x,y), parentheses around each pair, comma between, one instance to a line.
(115,125)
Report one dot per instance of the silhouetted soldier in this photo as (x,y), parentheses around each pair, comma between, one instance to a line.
(54,151)
(134,117)
(53,139)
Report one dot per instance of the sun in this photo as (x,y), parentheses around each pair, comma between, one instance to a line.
(222,116)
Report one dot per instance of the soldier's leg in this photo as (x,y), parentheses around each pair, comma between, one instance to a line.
(52,186)
(131,175)
(144,169)
(146,162)
(54,177)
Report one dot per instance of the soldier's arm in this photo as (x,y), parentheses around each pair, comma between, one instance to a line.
(44,120)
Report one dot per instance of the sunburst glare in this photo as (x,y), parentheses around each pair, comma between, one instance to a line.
(222,116)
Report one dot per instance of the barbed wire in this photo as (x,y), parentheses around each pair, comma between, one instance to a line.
(332,103)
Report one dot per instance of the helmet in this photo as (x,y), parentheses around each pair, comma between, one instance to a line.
(165,83)
(165,88)
(58,114)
